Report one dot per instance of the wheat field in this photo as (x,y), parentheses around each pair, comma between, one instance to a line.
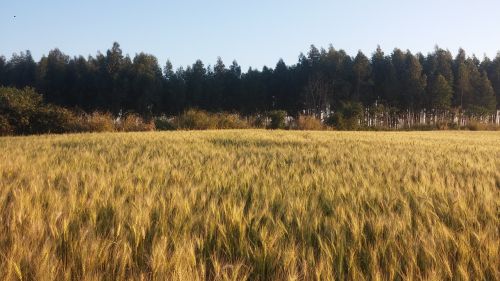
(250,205)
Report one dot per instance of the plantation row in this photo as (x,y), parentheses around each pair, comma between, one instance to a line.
(401,83)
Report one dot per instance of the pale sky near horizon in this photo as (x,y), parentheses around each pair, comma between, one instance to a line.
(255,33)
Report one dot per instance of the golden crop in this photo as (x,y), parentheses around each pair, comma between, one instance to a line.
(250,205)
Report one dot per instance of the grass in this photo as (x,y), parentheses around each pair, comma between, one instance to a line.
(250,205)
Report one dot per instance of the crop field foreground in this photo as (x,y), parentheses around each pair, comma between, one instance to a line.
(250,205)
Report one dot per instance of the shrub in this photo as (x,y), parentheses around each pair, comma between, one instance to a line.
(5,127)
(164,123)
(347,117)
(422,127)
(479,126)
(135,123)
(277,119)
(96,122)
(442,125)
(335,120)
(258,121)
(24,113)
(230,121)
(194,119)
(18,107)
(53,119)
(453,126)
(305,122)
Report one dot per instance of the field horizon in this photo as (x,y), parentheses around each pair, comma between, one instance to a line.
(250,205)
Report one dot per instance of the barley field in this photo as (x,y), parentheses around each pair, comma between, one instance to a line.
(250,205)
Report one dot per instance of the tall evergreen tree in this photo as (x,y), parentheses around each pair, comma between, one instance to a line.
(3,71)
(195,84)
(314,56)
(114,95)
(337,68)
(147,83)
(362,79)
(21,70)
(411,80)
(52,77)
(83,87)
(440,93)
(280,86)
(494,76)
(484,99)
(463,87)
(380,71)
(219,86)
(414,83)
(233,94)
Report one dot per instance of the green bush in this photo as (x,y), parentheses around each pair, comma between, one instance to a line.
(277,119)
(53,119)
(335,120)
(18,106)
(346,117)
(23,112)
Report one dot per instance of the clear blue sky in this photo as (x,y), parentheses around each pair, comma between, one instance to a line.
(256,32)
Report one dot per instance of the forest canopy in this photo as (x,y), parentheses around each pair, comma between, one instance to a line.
(323,79)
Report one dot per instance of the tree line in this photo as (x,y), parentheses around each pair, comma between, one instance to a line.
(322,80)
